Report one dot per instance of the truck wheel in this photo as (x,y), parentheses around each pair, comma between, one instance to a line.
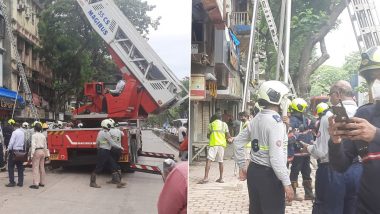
(134,152)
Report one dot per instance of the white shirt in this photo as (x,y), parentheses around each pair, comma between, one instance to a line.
(38,141)
(17,140)
(119,87)
(320,150)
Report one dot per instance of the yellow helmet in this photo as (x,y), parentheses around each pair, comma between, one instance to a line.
(299,105)
(45,126)
(35,122)
(11,121)
(322,107)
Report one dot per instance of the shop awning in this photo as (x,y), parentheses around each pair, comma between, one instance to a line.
(6,93)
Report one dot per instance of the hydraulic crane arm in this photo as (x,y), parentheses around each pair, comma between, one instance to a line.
(132,52)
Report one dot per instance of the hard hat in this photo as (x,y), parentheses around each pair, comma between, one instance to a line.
(106,123)
(35,122)
(322,107)
(299,105)
(59,123)
(370,61)
(80,125)
(274,92)
(11,121)
(112,123)
(25,125)
(45,126)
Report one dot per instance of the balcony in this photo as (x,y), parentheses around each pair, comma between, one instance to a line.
(240,22)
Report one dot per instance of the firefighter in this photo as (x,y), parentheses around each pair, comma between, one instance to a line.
(7,133)
(116,153)
(361,136)
(104,143)
(217,132)
(267,175)
(328,180)
(321,108)
(28,135)
(301,161)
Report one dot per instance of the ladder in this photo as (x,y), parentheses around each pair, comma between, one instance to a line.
(135,55)
(364,17)
(273,32)
(20,68)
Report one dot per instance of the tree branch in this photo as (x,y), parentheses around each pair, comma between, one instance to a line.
(325,56)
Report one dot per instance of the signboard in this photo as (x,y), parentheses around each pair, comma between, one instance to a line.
(197,87)
(7,104)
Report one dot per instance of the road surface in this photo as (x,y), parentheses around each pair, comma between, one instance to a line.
(68,191)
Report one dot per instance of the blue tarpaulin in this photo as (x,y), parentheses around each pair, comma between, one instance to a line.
(234,38)
(11,95)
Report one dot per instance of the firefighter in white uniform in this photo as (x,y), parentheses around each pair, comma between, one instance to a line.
(267,175)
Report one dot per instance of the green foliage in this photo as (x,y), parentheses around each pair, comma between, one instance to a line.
(181,111)
(324,77)
(352,63)
(74,51)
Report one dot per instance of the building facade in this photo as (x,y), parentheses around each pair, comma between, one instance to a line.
(24,17)
(217,74)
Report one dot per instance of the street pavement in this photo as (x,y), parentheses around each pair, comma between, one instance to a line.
(229,197)
(67,191)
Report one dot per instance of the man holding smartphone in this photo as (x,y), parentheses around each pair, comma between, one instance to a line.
(361,136)
(330,186)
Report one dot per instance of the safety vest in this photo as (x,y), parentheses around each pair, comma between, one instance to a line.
(218,131)
(245,125)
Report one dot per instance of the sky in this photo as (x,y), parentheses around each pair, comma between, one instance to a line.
(172,41)
(342,42)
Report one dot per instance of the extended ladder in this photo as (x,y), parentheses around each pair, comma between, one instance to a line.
(364,17)
(20,68)
(134,53)
(273,32)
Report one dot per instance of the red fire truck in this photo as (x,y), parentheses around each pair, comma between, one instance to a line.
(150,88)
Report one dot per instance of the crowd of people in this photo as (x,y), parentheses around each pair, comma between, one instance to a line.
(276,143)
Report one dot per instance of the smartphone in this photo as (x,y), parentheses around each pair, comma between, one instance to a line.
(341,114)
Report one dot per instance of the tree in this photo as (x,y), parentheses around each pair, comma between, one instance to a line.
(322,79)
(311,22)
(74,51)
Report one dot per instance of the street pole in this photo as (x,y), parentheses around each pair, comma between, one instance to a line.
(250,60)
(287,39)
(281,32)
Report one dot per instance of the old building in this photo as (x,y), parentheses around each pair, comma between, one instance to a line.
(218,30)
(24,17)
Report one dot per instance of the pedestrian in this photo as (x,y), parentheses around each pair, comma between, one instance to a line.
(327,180)
(2,162)
(361,136)
(300,126)
(267,176)
(184,147)
(116,153)
(181,130)
(217,133)
(244,119)
(38,152)
(16,144)
(173,196)
(104,143)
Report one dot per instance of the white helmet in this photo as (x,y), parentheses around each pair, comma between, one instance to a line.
(59,124)
(112,123)
(25,125)
(106,123)
(274,92)
(80,125)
